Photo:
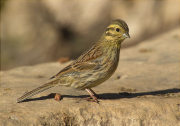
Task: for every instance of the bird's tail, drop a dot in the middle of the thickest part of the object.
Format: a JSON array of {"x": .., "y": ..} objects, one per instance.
[{"x": 37, "y": 90}]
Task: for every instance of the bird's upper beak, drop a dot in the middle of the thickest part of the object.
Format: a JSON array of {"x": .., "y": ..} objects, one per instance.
[{"x": 126, "y": 35}]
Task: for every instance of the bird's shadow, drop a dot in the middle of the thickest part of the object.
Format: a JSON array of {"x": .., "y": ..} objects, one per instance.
[{"x": 110, "y": 95}]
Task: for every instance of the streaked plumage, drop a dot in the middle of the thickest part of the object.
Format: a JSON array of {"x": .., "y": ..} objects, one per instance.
[{"x": 94, "y": 66}]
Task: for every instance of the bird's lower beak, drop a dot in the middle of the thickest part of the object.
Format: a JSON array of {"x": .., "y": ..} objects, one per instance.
[{"x": 126, "y": 35}]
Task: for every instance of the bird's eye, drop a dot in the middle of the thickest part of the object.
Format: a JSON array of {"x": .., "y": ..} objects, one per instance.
[{"x": 117, "y": 29}]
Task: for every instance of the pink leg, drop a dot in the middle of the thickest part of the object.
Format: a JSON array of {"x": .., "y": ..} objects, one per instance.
[{"x": 92, "y": 94}]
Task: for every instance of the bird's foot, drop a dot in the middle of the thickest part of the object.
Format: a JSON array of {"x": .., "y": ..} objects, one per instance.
[
  {"x": 92, "y": 99},
  {"x": 93, "y": 95}
]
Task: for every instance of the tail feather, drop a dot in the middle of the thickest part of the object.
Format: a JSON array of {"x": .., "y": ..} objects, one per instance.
[{"x": 37, "y": 90}]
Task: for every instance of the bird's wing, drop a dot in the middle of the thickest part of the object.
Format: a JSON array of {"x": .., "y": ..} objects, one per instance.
[{"x": 85, "y": 62}]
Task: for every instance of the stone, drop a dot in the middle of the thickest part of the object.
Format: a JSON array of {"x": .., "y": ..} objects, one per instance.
[{"x": 143, "y": 91}]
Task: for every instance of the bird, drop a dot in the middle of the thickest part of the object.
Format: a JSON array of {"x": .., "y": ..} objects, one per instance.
[{"x": 93, "y": 67}]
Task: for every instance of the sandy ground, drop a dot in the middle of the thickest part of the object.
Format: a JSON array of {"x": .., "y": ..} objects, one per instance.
[{"x": 143, "y": 91}]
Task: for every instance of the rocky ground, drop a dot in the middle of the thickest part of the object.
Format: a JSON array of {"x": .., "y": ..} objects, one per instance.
[{"x": 144, "y": 91}]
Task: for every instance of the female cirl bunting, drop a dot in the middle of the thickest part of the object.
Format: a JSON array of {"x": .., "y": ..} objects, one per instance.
[{"x": 94, "y": 66}]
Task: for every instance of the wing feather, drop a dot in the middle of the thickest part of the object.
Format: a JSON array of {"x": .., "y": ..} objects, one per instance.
[{"x": 85, "y": 62}]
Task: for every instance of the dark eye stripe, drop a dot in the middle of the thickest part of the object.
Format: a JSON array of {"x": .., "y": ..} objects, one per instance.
[{"x": 109, "y": 29}]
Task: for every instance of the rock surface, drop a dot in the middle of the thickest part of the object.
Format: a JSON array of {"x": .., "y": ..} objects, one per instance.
[{"x": 143, "y": 91}]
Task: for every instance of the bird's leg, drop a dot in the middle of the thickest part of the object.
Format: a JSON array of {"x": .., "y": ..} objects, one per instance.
[{"x": 92, "y": 94}]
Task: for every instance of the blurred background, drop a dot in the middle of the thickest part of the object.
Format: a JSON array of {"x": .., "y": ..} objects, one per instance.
[{"x": 34, "y": 32}]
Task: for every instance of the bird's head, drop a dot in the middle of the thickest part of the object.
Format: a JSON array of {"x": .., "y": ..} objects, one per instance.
[{"x": 117, "y": 31}]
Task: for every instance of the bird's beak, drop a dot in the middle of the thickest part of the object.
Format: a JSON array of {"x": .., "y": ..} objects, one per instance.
[{"x": 126, "y": 35}]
